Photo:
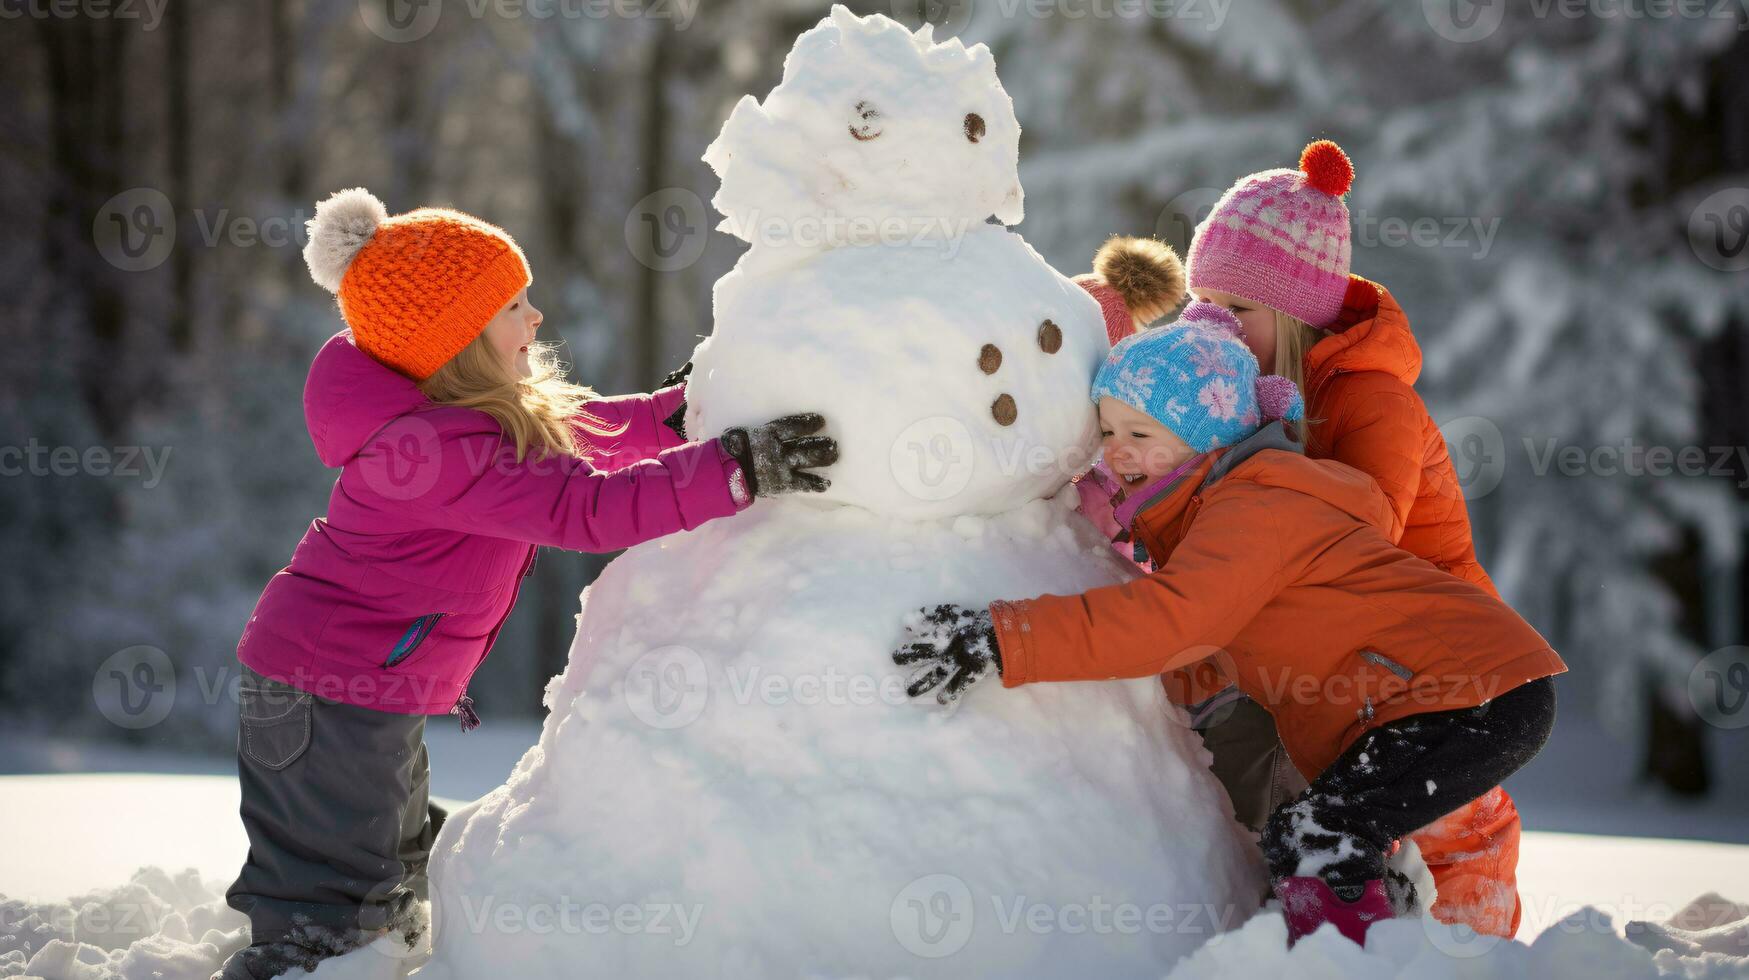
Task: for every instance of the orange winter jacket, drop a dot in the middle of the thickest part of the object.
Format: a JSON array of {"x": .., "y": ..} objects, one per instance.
[
  {"x": 1358, "y": 387},
  {"x": 1279, "y": 569},
  {"x": 1358, "y": 383}
]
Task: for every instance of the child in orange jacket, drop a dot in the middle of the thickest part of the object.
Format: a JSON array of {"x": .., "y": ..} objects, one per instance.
[
  {"x": 1275, "y": 251},
  {"x": 1403, "y": 692}
]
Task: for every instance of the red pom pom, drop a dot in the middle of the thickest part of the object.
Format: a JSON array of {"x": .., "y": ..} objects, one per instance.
[{"x": 1327, "y": 168}]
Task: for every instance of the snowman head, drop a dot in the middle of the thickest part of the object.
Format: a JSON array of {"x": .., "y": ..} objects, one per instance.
[{"x": 875, "y": 132}]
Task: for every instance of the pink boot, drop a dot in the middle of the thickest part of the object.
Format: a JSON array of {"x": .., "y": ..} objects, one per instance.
[{"x": 1307, "y": 903}]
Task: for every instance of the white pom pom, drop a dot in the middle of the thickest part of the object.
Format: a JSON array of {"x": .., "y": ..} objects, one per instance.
[{"x": 343, "y": 223}]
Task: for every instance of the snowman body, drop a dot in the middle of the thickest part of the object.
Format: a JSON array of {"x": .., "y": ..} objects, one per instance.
[
  {"x": 954, "y": 375},
  {"x": 731, "y": 780}
]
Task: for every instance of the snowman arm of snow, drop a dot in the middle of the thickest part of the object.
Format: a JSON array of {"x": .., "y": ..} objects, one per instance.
[
  {"x": 621, "y": 430},
  {"x": 1378, "y": 432},
  {"x": 952, "y": 647},
  {"x": 566, "y": 503},
  {"x": 1229, "y": 565}
]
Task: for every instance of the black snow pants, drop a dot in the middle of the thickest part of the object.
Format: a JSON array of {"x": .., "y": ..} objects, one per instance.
[{"x": 1400, "y": 777}]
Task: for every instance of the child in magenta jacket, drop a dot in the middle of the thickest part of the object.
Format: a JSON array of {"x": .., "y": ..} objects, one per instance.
[{"x": 461, "y": 448}]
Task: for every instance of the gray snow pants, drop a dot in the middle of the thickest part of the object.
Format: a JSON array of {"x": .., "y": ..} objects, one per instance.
[
  {"x": 1249, "y": 759},
  {"x": 338, "y": 813}
]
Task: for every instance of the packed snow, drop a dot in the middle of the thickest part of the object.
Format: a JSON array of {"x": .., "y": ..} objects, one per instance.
[
  {"x": 747, "y": 759},
  {"x": 951, "y": 362},
  {"x": 954, "y": 379},
  {"x": 154, "y": 924},
  {"x": 873, "y": 132}
]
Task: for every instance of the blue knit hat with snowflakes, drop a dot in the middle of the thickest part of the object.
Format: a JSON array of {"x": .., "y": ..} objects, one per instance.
[{"x": 1197, "y": 378}]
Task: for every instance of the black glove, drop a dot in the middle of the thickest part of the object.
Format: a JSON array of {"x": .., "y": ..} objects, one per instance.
[
  {"x": 677, "y": 421},
  {"x": 950, "y": 644},
  {"x": 675, "y": 376},
  {"x": 774, "y": 455}
]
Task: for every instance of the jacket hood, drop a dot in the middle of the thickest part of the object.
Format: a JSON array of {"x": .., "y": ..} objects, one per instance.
[
  {"x": 349, "y": 397},
  {"x": 1371, "y": 334},
  {"x": 1271, "y": 436},
  {"x": 1343, "y": 487}
]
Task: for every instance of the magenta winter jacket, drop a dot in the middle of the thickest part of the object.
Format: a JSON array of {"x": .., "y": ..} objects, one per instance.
[{"x": 392, "y": 600}]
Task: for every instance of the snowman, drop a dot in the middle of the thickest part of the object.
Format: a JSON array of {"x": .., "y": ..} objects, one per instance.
[{"x": 731, "y": 780}]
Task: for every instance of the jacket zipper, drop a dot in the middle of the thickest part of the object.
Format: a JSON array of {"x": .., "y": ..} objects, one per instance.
[
  {"x": 464, "y": 705},
  {"x": 1318, "y": 393},
  {"x": 411, "y": 639}
]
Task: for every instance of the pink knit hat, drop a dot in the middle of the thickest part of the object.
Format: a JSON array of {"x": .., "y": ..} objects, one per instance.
[{"x": 1281, "y": 238}]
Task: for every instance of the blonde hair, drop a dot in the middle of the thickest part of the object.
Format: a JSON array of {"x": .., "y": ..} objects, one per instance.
[
  {"x": 1294, "y": 338},
  {"x": 537, "y": 413}
]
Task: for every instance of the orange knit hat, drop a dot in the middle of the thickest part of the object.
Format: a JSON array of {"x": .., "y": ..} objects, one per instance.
[{"x": 415, "y": 288}]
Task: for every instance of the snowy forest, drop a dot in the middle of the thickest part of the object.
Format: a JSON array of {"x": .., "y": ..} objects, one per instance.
[{"x": 1557, "y": 193}]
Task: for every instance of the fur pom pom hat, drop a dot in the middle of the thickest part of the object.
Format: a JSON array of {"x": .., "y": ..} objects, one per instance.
[
  {"x": 415, "y": 288},
  {"x": 1197, "y": 378},
  {"x": 1281, "y": 238},
  {"x": 1136, "y": 281}
]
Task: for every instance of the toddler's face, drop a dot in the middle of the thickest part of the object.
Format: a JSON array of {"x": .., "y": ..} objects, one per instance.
[
  {"x": 512, "y": 330},
  {"x": 1138, "y": 449},
  {"x": 1257, "y": 320}
]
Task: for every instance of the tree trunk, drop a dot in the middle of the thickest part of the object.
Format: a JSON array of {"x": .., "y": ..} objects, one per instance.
[
  {"x": 646, "y": 333},
  {"x": 180, "y": 187},
  {"x": 84, "y": 59}
]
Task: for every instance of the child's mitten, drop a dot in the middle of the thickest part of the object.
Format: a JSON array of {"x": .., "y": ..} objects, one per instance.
[
  {"x": 953, "y": 647},
  {"x": 676, "y": 420},
  {"x": 774, "y": 456},
  {"x": 675, "y": 376}
]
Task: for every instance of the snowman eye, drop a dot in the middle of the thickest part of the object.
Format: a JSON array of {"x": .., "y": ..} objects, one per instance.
[
  {"x": 974, "y": 127},
  {"x": 862, "y": 125},
  {"x": 989, "y": 358}
]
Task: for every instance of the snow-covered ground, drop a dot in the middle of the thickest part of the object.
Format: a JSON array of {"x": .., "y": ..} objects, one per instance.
[
  {"x": 91, "y": 832},
  {"x": 83, "y": 826}
]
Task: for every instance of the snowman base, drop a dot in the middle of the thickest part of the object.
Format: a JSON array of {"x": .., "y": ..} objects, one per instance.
[{"x": 731, "y": 780}]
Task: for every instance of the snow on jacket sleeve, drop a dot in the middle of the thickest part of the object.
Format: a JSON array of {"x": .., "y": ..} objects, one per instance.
[
  {"x": 1377, "y": 430},
  {"x": 470, "y": 482},
  {"x": 1226, "y": 569},
  {"x": 623, "y": 429}
]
